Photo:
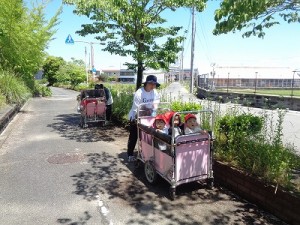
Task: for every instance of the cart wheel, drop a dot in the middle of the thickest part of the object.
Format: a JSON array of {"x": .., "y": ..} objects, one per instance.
[
  {"x": 137, "y": 168},
  {"x": 210, "y": 183},
  {"x": 137, "y": 164},
  {"x": 81, "y": 124},
  {"x": 172, "y": 193},
  {"x": 150, "y": 172}
]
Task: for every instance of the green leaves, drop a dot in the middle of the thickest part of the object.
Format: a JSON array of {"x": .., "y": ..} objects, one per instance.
[
  {"x": 51, "y": 67},
  {"x": 179, "y": 106},
  {"x": 72, "y": 72},
  {"x": 255, "y": 16},
  {"x": 24, "y": 37},
  {"x": 135, "y": 28},
  {"x": 239, "y": 126},
  {"x": 12, "y": 88}
]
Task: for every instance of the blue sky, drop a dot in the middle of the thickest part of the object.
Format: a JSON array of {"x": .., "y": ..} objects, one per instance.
[{"x": 279, "y": 48}]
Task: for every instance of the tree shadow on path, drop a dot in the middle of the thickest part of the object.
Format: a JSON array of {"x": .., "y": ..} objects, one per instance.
[
  {"x": 67, "y": 125},
  {"x": 113, "y": 177}
]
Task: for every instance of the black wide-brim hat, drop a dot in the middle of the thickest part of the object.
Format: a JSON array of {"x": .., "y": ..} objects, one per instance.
[{"x": 152, "y": 79}]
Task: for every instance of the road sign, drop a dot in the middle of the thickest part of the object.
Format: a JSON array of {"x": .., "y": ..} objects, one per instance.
[{"x": 69, "y": 40}]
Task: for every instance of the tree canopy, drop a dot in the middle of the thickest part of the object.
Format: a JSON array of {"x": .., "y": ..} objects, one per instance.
[
  {"x": 51, "y": 67},
  {"x": 255, "y": 16},
  {"x": 135, "y": 28},
  {"x": 24, "y": 35},
  {"x": 72, "y": 72}
]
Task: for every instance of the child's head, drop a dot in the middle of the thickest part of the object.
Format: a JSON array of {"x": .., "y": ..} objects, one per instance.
[
  {"x": 177, "y": 119},
  {"x": 190, "y": 120},
  {"x": 159, "y": 122}
]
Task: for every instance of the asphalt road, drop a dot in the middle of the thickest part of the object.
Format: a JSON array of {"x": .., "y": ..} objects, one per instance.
[{"x": 53, "y": 172}]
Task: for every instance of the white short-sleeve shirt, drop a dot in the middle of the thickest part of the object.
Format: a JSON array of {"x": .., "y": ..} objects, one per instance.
[{"x": 142, "y": 96}]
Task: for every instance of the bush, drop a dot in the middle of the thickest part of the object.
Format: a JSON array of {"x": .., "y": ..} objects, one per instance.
[
  {"x": 113, "y": 78},
  {"x": 41, "y": 90},
  {"x": 2, "y": 101},
  {"x": 185, "y": 106},
  {"x": 242, "y": 141},
  {"x": 122, "y": 96},
  {"x": 240, "y": 125},
  {"x": 13, "y": 88},
  {"x": 103, "y": 77},
  {"x": 81, "y": 86}
]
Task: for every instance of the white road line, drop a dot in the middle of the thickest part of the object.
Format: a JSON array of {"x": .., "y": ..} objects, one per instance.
[{"x": 104, "y": 211}]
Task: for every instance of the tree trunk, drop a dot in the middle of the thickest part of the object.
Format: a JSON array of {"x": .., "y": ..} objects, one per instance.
[
  {"x": 139, "y": 75},
  {"x": 140, "y": 62}
]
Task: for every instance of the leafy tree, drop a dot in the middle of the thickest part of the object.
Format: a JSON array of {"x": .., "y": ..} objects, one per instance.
[
  {"x": 72, "y": 72},
  {"x": 103, "y": 77},
  {"x": 254, "y": 15},
  {"x": 78, "y": 62},
  {"x": 51, "y": 67},
  {"x": 24, "y": 35},
  {"x": 133, "y": 28}
]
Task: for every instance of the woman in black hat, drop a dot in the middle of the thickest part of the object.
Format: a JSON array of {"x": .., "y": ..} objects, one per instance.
[{"x": 145, "y": 94}]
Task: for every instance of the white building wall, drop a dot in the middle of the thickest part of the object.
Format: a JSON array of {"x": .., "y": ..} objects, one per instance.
[{"x": 252, "y": 72}]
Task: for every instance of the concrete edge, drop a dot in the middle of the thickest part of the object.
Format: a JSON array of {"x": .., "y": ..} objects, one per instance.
[{"x": 8, "y": 114}]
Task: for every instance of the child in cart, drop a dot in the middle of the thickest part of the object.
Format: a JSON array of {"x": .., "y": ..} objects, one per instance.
[
  {"x": 160, "y": 127},
  {"x": 191, "y": 126},
  {"x": 178, "y": 125}
]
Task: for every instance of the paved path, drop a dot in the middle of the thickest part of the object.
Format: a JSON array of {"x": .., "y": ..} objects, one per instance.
[{"x": 54, "y": 172}]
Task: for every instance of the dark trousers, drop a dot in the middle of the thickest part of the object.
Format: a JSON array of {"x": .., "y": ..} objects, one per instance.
[
  {"x": 132, "y": 137},
  {"x": 108, "y": 112}
]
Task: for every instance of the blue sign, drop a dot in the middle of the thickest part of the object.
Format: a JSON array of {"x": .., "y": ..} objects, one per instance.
[
  {"x": 69, "y": 40},
  {"x": 94, "y": 70}
]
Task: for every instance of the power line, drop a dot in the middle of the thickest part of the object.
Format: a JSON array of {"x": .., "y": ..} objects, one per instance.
[
  {"x": 187, "y": 32},
  {"x": 206, "y": 42}
]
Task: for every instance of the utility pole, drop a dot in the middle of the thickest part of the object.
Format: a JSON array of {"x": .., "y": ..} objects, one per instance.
[
  {"x": 213, "y": 73},
  {"x": 293, "y": 81},
  {"x": 227, "y": 82},
  {"x": 92, "y": 61},
  {"x": 92, "y": 55},
  {"x": 86, "y": 67},
  {"x": 255, "y": 82},
  {"x": 180, "y": 78},
  {"x": 192, "y": 50},
  {"x": 69, "y": 40}
]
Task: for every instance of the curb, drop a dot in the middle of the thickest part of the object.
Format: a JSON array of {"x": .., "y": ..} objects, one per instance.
[
  {"x": 282, "y": 204},
  {"x": 7, "y": 114}
]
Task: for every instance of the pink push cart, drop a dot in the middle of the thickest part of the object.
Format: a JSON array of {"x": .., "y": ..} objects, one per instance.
[
  {"x": 92, "y": 107},
  {"x": 187, "y": 157}
]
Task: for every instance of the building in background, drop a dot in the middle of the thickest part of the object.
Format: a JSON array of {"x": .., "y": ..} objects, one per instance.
[
  {"x": 111, "y": 72},
  {"x": 127, "y": 76},
  {"x": 177, "y": 74},
  {"x": 130, "y": 76}
]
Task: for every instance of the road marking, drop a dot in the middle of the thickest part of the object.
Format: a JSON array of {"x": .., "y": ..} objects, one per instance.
[{"x": 104, "y": 211}]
